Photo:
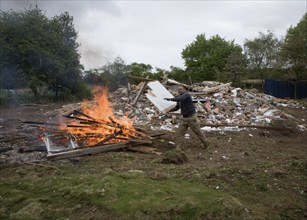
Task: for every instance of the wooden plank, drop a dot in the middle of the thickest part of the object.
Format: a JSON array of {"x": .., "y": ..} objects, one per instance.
[
  {"x": 143, "y": 141},
  {"x": 143, "y": 149},
  {"x": 139, "y": 93},
  {"x": 174, "y": 82},
  {"x": 216, "y": 88},
  {"x": 86, "y": 151},
  {"x": 140, "y": 78},
  {"x": 41, "y": 123},
  {"x": 157, "y": 135},
  {"x": 128, "y": 91}
]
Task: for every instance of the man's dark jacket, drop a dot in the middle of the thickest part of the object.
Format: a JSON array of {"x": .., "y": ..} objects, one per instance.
[{"x": 185, "y": 103}]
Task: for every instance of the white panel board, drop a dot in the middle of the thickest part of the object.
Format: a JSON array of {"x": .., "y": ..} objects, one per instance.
[{"x": 156, "y": 95}]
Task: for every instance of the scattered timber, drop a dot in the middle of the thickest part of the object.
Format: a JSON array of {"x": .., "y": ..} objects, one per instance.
[
  {"x": 144, "y": 83},
  {"x": 143, "y": 149},
  {"x": 140, "y": 78},
  {"x": 217, "y": 88},
  {"x": 86, "y": 151},
  {"x": 143, "y": 141}
]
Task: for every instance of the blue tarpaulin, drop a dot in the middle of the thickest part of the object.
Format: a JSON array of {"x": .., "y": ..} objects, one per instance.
[{"x": 285, "y": 89}]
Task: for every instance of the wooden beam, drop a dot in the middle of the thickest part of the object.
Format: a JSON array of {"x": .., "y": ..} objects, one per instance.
[
  {"x": 41, "y": 123},
  {"x": 86, "y": 151},
  {"x": 143, "y": 141},
  {"x": 128, "y": 91},
  {"x": 216, "y": 88},
  {"x": 144, "y": 83},
  {"x": 143, "y": 149},
  {"x": 174, "y": 82},
  {"x": 141, "y": 78}
]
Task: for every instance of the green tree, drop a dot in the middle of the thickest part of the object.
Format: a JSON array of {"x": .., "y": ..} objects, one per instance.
[
  {"x": 179, "y": 74},
  {"x": 68, "y": 68},
  {"x": 115, "y": 74},
  {"x": 11, "y": 74},
  {"x": 294, "y": 51},
  {"x": 140, "y": 69},
  {"x": 205, "y": 59},
  {"x": 158, "y": 74},
  {"x": 111, "y": 75},
  {"x": 92, "y": 77},
  {"x": 235, "y": 68},
  {"x": 41, "y": 51},
  {"x": 22, "y": 50},
  {"x": 261, "y": 54}
]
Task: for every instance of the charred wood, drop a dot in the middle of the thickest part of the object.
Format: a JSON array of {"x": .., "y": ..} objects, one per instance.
[{"x": 110, "y": 137}]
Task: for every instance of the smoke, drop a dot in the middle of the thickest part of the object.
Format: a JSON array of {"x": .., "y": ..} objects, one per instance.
[{"x": 94, "y": 56}]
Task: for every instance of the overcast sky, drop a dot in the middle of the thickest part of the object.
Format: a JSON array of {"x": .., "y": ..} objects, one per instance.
[{"x": 156, "y": 32}]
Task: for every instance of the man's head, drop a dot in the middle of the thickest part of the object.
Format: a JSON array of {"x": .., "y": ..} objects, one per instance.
[{"x": 181, "y": 90}]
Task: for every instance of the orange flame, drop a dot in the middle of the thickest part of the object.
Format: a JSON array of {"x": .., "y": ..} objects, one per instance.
[{"x": 101, "y": 125}]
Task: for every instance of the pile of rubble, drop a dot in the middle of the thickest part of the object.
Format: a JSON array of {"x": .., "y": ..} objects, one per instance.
[
  {"x": 219, "y": 107},
  {"x": 216, "y": 103}
]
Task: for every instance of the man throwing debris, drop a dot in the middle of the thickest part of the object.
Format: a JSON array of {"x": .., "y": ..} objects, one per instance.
[{"x": 188, "y": 112}]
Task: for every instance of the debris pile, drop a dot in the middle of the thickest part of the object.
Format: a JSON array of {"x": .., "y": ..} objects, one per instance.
[
  {"x": 216, "y": 103},
  {"x": 132, "y": 119}
]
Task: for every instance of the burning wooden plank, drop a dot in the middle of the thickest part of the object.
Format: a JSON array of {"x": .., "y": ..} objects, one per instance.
[
  {"x": 110, "y": 137},
  {"x": 142, "y": 141}
]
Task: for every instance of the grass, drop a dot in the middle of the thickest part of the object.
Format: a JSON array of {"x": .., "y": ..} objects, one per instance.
[
  {"x": 129, "y": 195},
  {"x": 42, "y": 194},
  {"x": 119, "y": 186}
]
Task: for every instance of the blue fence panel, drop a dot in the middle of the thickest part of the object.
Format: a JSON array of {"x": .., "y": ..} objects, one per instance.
[
  {"x": 285, "y": 89},
  {"x": 302, "y": 90},
  {"x": 279, "y": 89}
]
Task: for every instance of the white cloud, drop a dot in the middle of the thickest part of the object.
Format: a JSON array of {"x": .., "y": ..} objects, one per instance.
[{"x": 155, "y": 32}]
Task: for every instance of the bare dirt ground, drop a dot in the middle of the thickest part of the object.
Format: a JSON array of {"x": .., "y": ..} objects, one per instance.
[{"x": 266, "y": 169}]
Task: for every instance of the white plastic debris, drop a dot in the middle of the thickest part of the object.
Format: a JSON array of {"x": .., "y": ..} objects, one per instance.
[
  {"x": 270, "y": 112},
  {"x": 301, "y": 127}
]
